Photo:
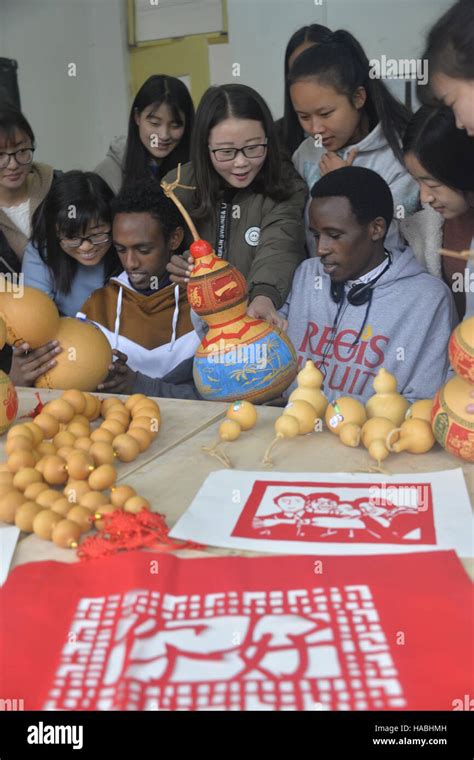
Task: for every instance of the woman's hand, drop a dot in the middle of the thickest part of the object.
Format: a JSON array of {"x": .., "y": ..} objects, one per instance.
[
  {"x": 180, "y": 268},
  {"x": 121, "y": 378},
  {"x": 28, "y": 364},
  {"x": 331, "y": 161},
  {"x": 262, "y": 308}
]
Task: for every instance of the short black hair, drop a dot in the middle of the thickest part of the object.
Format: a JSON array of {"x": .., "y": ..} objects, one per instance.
[
  {"x": 445, "y": 151},
  {"x": 147, "y": 197},
  {"x": 366, "y": 191}
]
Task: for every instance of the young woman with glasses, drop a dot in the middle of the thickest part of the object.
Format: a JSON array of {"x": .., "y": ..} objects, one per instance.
[
  {"x": 71, "y": 252},
  {"x": 70, "y": 255},
  {"x": 23, "y": 185},
  {"x": 244, "y": 198}
]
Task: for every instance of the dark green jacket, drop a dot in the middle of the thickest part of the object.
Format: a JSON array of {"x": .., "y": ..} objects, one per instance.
[{"x": 270, "y": 264}]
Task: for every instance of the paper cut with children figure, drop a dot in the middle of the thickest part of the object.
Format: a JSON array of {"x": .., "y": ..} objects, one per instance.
[{"x": 332, "y": 515}]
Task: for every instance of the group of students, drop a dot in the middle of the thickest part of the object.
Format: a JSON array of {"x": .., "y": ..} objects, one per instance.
[{"x": 335, "y": 215}]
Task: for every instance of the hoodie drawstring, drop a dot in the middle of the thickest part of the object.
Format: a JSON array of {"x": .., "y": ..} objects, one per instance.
[
  {"x": 117, "y": 317},
  {"x": 175, "y": 317}
]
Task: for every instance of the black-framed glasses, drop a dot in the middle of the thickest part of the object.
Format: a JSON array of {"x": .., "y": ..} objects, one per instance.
[
  {"x": 23, "y": 156},
  {"x": 229, "y": 154},
  {"x": 99, "y": 239}
]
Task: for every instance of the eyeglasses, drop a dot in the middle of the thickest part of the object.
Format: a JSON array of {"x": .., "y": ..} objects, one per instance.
[
  {"x": 23, "y": 156},
  {"x": 99, "y": 239},
  {"x": 228, "y": 154}
]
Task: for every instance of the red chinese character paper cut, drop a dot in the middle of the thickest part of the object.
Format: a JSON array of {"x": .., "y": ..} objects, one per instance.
[
  {"x": 327, "y": 511},
  {"x": 367, "y": 633}
]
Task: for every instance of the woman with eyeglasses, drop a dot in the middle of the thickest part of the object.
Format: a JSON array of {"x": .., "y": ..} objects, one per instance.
[
  {"x": 71, "y": 252},
  {"x": 23, "y": 185},
  {"x": 70, "y": 255},
  {"x": 245, "y": 198}
]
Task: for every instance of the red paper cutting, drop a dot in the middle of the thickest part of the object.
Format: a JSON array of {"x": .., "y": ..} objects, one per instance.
[
  {"x": 338, "y": 512},
  {"x": 151, "y": 631}
]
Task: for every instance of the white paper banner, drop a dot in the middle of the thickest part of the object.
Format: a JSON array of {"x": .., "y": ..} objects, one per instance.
[
  {"x": 328, "y": 513},
  {"x": 8, "y": 539}
]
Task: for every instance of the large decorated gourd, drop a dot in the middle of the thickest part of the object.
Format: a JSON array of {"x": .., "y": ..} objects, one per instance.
[
  {"x": 309, "y": 381},
  {"x": 453, "y": 425},
  {"x": 240, "y": 357},
  {"x": 8, "y": 396},
  {"x": 452, "y": 418},
  {"x": 84, "y": 359},
  {"x": 30, "y": 316},
  {"x": 386, "y": 402},
  {"x": 461, "y": 349}
]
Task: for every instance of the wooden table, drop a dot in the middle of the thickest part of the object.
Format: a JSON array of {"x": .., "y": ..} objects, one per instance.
[{"x": 171, "y": 479}]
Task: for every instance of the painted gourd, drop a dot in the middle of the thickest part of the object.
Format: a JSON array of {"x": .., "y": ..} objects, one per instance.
[
  {"x": 309, "y": 381},
  {"x": 453, "y": 426},
  {"x": 84, "y": 360},
  {"x": 240, "y": 357},
  {"x": 461, "y": 350},
  {"x": 30, "y": 317},
  {"x": 8, "y": 402}
]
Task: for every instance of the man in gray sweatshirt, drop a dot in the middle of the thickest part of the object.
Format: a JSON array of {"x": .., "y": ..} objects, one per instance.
[{"x": 356, "y": 307}]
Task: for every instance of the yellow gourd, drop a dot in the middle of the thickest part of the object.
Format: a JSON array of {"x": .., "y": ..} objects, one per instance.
[
  {"x": 377, "y": 428},
  {"x": 304, "y": 412},
  {"x": 350, "y": 434},
  {"x": 421, "y": 410},
  {"x": 229, "y": 430},
  {"x": 378, "y": 450},
  {"x": 386, "y": 402},
  {"x": 286, "y": 426},
  {"x": 244, "y": 413},
  {"x": 309, "y": 381},
  {"x": 416, "y": 437},
  {"x": 343, "y": 411}
]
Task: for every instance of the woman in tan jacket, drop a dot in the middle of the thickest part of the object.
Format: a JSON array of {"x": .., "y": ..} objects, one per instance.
[{"x": 23, "y": 185}]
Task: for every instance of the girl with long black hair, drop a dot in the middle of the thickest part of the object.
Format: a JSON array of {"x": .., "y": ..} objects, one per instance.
[
  {"x": 248, "y": 201},
  {"x": 71, "y": 253},
  {"x": 159, "y": 134},
  {"x": 352, "y": 119},
  {"x": 289, "y": 129},
  {"x": 449, "y": 53},
  {"x": 440, "y": 158}
]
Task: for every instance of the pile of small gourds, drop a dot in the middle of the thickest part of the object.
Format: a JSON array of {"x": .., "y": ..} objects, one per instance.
[{"x": 58, "y": 450}]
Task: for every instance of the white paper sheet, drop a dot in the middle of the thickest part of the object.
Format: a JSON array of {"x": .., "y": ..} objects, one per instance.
[
  {"x": 328, "y": 513},
  {"x": 8, "y": 538}
]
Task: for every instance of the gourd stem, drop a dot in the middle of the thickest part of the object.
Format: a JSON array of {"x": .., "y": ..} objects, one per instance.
[
  {"x": 213, "y": 451},
  {"x": 266, "y": 457},
  {"x": 388, "y": 440},
  {"x": 168, "y": 189}
]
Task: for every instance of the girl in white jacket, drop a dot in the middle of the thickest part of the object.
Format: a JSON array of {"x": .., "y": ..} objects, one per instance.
[
  {"x": 352, "y": 118},
  {"x": 440, "y": 158}
]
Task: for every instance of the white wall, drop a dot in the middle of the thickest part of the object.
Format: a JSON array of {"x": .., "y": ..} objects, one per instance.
[
  {"x": 73, "y": 118},
  {"x": 260, "y": 29}
]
